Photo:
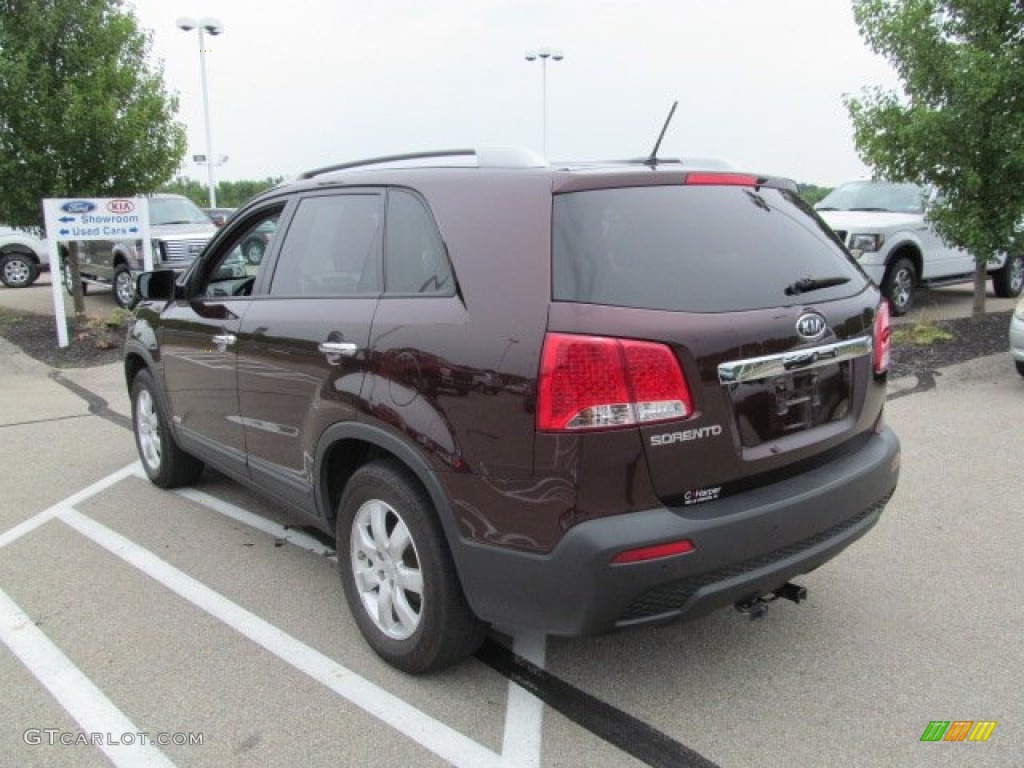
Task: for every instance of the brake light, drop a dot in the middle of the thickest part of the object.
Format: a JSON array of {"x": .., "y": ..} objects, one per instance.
[
  {"x": 883, "y": 338},
  {"x": 595, "y": 382},
  {"x": 721, "y": 179},
  {"x": 653, "y": 553}
]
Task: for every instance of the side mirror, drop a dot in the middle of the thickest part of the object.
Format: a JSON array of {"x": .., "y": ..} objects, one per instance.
[{"x": 157, "y": 286}]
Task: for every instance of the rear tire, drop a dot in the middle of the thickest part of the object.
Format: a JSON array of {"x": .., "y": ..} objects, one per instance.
[
  {"x": 66, "y": 279},
  {"x": 1020, "y": 367},
  {"x": 898, "y": 286},
  {"x": 166, "y": 465},
  {"x": 124, "y": 287},
  {"x": 1008, "y": 280},
  {"x": 398, "y": 575}
]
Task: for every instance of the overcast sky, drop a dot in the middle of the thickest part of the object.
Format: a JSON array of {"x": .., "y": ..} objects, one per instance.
[{"x": 297, "y": 85}]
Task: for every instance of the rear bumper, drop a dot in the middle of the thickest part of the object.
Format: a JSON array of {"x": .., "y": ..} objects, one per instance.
[{"x": 745, "y": 545}]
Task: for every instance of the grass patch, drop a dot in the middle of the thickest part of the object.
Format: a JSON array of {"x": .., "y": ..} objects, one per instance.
[
  {"x": 924, "y": 333},
  {"x": 8, "y": 319}
]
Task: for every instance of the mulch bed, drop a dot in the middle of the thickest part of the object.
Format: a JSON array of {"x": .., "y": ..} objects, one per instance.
[{"x": 94, "y": 343}]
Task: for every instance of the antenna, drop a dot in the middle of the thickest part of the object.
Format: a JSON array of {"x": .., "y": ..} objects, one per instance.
[{"x": 653, "y": 159}]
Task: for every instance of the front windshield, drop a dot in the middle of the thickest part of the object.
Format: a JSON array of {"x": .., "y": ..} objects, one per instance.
[
  {"x": 874, "y": 196},
  {"x": 174, "y": 210}
]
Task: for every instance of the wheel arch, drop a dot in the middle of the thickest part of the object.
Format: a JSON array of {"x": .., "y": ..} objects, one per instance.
[
  {"x": 17, "y": 249},
  {"x": 134, "y": 362},
  {"x": 909, "y": 251},
  {"x": 344, "y": 448}
]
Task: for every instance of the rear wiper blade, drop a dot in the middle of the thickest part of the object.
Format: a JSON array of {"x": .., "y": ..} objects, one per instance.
[{"x": 814, "y": 283}]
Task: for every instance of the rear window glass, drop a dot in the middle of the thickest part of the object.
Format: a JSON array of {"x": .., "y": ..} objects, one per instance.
[{"x": 694, "y": 249}]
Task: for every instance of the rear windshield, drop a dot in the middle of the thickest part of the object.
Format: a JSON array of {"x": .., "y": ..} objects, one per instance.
[{"x": 695, "y": 249}]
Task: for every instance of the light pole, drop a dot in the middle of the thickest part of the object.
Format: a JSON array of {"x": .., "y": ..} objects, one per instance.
[
  {"x": 544, "y": 54},
  {"x": 213, "y": 27}
]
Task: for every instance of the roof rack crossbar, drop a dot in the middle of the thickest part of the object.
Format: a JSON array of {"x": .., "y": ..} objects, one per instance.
[{"x": 388, "y": 159}]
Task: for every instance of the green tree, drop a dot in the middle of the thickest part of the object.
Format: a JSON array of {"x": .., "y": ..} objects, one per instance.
[
  {"x": 83, "y": 113},
  {"x": 959, "y": 121},
  {"x": 812, "y": 193},
  {"x": 230, "y": 194}
]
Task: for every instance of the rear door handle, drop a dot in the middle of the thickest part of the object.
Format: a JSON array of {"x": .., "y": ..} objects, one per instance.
[{"x": 343, "y": 348}]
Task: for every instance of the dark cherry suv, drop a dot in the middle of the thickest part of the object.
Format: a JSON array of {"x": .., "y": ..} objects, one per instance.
[{"x": 570, "y": 398}]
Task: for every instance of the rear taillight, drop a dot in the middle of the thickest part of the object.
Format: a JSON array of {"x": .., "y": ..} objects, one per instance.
[
  {"x": 595, "y": 382},
  {"x": 657, "y": 552},
  {"x": 883, "y": 338},
  {"x": 721, "y": 179}
]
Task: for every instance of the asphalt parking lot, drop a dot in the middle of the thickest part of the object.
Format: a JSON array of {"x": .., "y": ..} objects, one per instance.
[{"x": 196, "y": 628}]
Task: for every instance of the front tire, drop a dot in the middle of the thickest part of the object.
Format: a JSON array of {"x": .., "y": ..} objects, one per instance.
[
  {"x": 1008, "y": 280},
  {"x": 124, "y": 288},
  {"x": 166, "y": 465},
  {"x": 398, "y": 575},
  {"x": 18, "y": 270},
  {"x": 898, "y": 286}
]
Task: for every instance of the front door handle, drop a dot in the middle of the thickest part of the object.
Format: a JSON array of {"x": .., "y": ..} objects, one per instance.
[
  {"x": 224, "y": 340},
  {"x": 343, "y": 348}
]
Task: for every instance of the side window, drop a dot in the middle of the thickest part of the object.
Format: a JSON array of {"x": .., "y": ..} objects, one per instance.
[
  {"x": 332, "y": 248},
  {"x": 235, "y": 272},
  {"x": 415, "y": 260}
]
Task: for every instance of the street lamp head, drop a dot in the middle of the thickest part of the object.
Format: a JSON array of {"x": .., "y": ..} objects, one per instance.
[
  {"x": 544, "y": 53},
  {"x": 186, "y": 24},
  {"x": 211, "y": 26}
]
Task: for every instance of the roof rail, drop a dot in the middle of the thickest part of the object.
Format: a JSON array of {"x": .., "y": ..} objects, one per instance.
[{"x": 486, "y": 157}]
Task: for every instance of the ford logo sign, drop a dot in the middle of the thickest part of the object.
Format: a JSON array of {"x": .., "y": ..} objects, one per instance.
[
  {"x": 78, "y": 206},
  {"x": 811, "y": 326}
]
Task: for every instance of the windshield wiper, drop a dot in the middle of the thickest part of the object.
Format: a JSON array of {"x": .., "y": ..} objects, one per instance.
[
  {"x": 880, "y": 210},
  {"x": 814, "y": 283},
  {"x": 168, "y": 223}
]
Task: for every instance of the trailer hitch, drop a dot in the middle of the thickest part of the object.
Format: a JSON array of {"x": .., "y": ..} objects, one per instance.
[{"x": 757, "y": 606}]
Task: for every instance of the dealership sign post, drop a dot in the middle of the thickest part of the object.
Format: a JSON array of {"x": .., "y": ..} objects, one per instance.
[{"x": 70, "y": 220}]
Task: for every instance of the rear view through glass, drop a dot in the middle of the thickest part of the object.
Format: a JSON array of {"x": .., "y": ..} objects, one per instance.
[{"x": 695, "y": 249}]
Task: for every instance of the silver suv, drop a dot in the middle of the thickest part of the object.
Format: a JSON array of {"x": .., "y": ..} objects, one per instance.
[
  {"x": 885, "y": 227},
  {"x": 180, "y": 231}
]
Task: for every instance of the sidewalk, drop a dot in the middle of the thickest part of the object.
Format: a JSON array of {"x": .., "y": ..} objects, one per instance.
[{"x": 34, "y": 392}]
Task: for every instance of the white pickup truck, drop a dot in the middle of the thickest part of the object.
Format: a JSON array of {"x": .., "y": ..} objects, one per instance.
[
  {"x": 883, "y": 225},
  {"x": 22, "y": 256}
]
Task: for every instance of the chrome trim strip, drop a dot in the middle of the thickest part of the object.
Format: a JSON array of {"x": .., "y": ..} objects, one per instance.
[{"x": 755, "y": 368}]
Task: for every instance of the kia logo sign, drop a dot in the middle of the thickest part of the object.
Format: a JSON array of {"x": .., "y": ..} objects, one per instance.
[
  {"x": 811, "y": 326},
  {"x": 120, "y": 206},
  {"x": 78, "y": 206}
]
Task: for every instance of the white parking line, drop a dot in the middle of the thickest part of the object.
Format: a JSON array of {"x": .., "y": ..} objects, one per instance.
[
  {"x": 524, "y": 712},
  {"x": 91, "y": 709},
  {"x": 441, "y": 739},
  {"x": 15, "y": 533}
]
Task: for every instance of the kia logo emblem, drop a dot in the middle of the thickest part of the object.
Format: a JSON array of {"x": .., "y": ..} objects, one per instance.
[
  {"x": 120, "y": 206},
  {"x": 811, "y": 326}
]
